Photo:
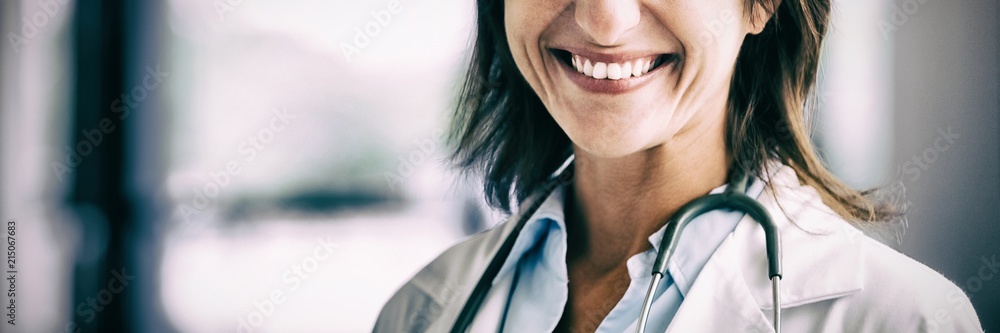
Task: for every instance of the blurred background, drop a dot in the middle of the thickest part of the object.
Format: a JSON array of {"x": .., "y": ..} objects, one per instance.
[{"x": 279, "y": 166}]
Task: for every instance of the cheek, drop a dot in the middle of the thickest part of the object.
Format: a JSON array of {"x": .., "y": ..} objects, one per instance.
[
  {"x": 524, "y": 23},
  {"x": 527, "y": 23},
  {"x": 720, "y": 28},
  {"x": 711, "y": 36},
  {"x": 701, "y": 27}
]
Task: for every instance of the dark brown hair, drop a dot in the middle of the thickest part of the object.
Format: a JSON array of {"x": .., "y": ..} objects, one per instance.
[{"x": 502, "y": 131}]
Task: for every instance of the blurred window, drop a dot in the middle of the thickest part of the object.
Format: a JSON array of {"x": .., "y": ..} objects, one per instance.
[
  {"x": 306, "y": 158},
  {"x": 34, "y": 130}
]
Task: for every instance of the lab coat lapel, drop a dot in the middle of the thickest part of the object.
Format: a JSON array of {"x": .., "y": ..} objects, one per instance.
[
  {"x": 488, "y": 319},
  {"x": 488, "y": 315},
  {"x": 822, "y": 256},
  {"x": 719, "y": 300},
  {"x": 733, "y": 291},
  {"x": 464, "y": 276}
]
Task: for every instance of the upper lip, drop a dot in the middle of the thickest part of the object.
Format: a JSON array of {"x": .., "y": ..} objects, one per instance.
[{"x": 616, "y": 57}]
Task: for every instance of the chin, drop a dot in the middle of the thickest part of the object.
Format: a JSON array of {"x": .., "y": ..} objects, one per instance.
[
  {"x": 613, "y": 132},
  {"x": 611, "y": 142}
]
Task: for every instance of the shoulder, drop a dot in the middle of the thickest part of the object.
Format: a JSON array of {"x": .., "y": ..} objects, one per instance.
[
  {"x": 909, "y": 295},
  {"x": 423, "y": 299},
  {"x": 437, "y": 291},
  {"x": 855, "y": 280}
]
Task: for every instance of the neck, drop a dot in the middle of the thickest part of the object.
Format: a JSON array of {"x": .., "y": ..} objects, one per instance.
[{"x": 617, "y": 203}]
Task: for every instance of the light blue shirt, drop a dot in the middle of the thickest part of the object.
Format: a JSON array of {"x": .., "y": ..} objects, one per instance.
[{"x": 537, "y": 263}]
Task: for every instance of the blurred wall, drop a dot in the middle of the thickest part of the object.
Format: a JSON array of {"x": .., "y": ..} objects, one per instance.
[{"x": 946, "y": 110}]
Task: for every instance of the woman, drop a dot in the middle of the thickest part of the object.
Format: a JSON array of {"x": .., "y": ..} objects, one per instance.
[{"x": 651, "y": 104}]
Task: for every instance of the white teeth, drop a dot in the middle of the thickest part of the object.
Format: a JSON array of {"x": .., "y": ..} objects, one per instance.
[
  {"x": 637, "y": 69},
  {"x": 601, "y": 71},
  {"x": 612, "y": 71}
]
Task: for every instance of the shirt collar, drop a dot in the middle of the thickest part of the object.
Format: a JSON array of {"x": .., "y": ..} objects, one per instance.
[
  {"x": 701, "y": 238},
  {"x": 548, "y": 216}
]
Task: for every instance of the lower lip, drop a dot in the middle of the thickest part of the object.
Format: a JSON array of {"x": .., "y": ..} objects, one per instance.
[{"x": 604, "y": 86}]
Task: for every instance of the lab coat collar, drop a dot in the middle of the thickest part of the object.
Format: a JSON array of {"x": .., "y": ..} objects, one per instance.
[
  {"x": 822, "y": 253},
  {"x": 453, "y": 287},
  {"x": 714, "y": 227},
  {"x": 822, "y": 259}
]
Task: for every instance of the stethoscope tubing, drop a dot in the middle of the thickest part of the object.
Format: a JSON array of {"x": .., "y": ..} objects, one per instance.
[
  {"x": 482, "y": 287},
  {"x": 733, "y": 198}
]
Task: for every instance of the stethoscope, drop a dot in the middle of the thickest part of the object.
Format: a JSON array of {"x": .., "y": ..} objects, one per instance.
[{"x": 733, "y": 198}]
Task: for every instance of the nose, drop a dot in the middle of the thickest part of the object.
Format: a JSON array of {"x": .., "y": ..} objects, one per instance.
[{"x": 606, "y": 21}]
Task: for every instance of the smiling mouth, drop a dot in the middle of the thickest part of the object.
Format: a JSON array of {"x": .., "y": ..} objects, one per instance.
[{"x": 613, "y": 70}]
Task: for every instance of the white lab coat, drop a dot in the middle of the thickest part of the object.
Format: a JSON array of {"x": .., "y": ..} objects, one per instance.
[{"x": 836, "y": 279}]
